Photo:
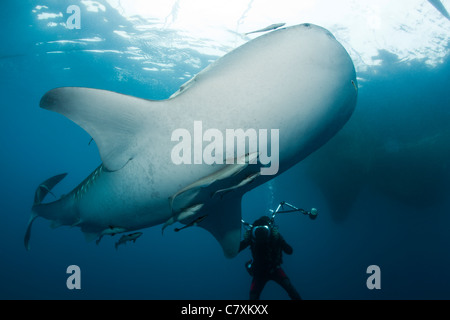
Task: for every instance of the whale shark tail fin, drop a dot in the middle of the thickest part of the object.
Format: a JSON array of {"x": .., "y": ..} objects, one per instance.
[
  {"x": 45, "y": 188},
  {"x": 41, "y": 191},
  {"x": 28, "y": 232}
]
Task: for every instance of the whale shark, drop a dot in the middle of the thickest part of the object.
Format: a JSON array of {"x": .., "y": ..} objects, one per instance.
[{"x": 299, "y": 80}]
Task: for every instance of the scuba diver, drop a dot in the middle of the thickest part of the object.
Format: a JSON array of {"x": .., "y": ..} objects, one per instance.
[{"x": 267, "y": 246}]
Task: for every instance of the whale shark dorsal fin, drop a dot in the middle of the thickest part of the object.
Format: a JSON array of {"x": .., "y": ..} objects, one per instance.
[
  {"x": 112, "y": 119},
  {"x": 224, "y": 223}
]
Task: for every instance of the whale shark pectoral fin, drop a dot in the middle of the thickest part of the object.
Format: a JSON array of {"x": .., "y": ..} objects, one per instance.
[
  {"x": 112, "y": 119},
  {"x": 230, "y": 170},
  {"x": 224, "y": 223}
]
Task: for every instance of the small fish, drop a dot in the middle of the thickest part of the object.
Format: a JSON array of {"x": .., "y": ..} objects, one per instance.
[
  {"x": 111, "y": 230},
  {"x": 247, "y": 180},
  {"x": 268, "y": 28},
  {"x": 186, "y": 213},
  {"x": 191, "y": 224},
  {"x": 128, "y": 237}
]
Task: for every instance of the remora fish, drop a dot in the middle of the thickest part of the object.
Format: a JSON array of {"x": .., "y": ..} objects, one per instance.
[
  {"x": 308, "y": 91},
  {"x": 268, "y": 28},
  {"x": 191, "y": 224},
  {"x": 128, "y": 237},
  {"x": 186, "y": 213},
  {"x": 244, "y": 182}
]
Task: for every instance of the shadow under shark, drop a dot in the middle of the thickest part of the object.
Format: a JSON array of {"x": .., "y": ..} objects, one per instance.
[
  {"x": 299, "y": 80},
  {"x": 396, "y": 144}
]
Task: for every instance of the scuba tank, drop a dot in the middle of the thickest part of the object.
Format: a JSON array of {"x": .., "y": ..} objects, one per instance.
[{"x": 263, "y": 228}]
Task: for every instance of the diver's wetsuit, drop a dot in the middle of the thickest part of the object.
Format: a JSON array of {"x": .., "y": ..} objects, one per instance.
[{"x": 267, "y": 259}]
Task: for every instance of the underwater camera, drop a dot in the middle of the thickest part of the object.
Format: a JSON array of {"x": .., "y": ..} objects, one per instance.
[
  {"x": 290, "y": 208},
  {"x": 285, "y": 207}
]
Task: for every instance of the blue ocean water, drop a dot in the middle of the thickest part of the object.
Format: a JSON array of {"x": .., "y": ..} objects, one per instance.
[{"x": 381, "y": 185}]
